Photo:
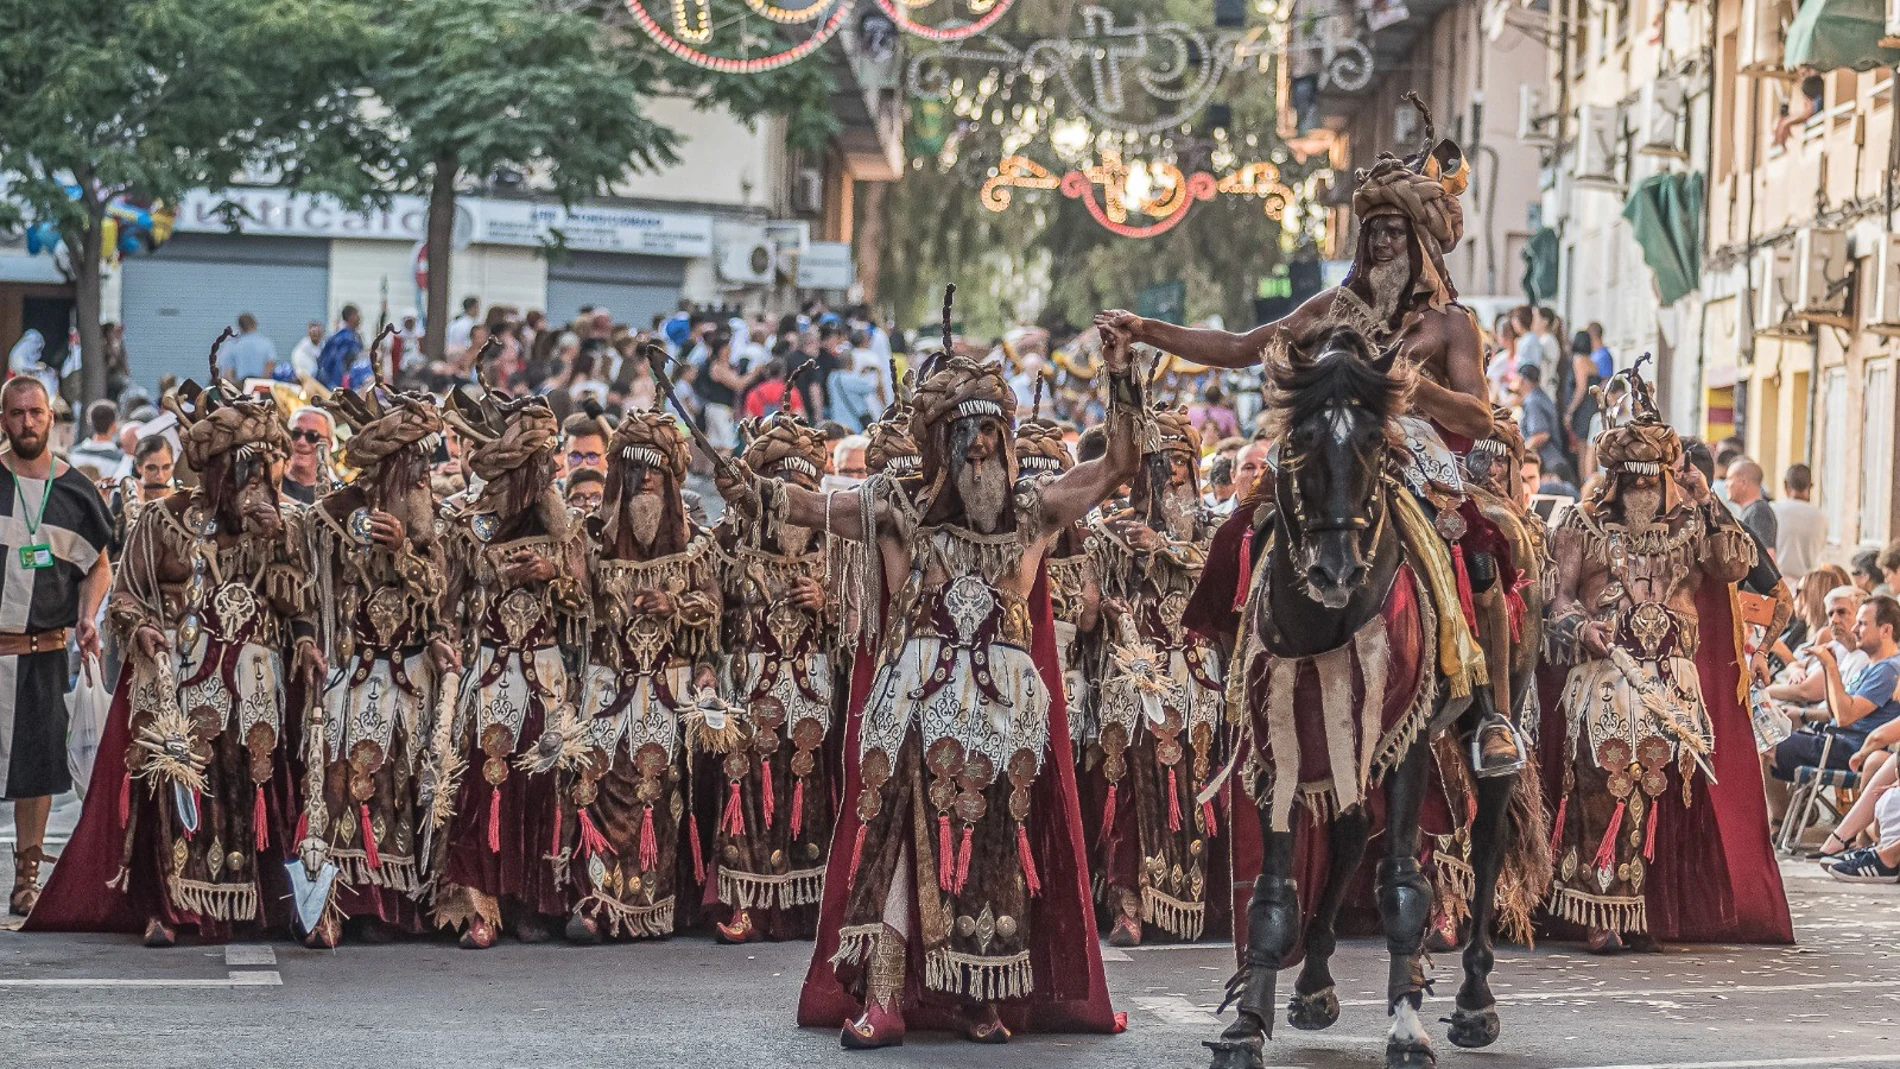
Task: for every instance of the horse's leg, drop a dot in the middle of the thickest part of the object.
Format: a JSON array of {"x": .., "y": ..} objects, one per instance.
[
  {"x": 1314, "y": 1004},
  {"x": 1273, "y": 922},
  {"x": 1405, "y": 904},
  {"x": 1474, "y": 1021}
]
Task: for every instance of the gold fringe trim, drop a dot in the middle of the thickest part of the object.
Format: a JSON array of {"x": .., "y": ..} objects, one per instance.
[
  {"x": 213, "y": 901},
  {"x": 747, "y": 890},
  {"x": 1183, "y": 920},
  {"x": 1455, "y": 882},
  {"x": 1595, "y": 911},
  {"x": 977, "y": 977},
  {"x": 396, "y": 873},
  {"x": 634, "y": 922},
  {"x": 456, "y": 906},
  {"x": 855, "y": 943}
]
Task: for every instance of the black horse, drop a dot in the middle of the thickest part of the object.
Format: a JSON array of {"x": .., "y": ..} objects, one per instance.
[{"x": 1334, "y": 556}]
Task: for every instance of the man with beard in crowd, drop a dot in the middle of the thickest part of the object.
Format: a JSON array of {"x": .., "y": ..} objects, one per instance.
[
  {"x": 212, "y": 603},
  {"x": 774, "y": 823},
  {"x": 656, "y": 628},
  {"x": 54, "y": 567},
  {"x": 380, "y": 576},
  {"x": 517, "y": 580},
  {"x": 958, "y": 889},
  {"x": 1162, "y": 853}
]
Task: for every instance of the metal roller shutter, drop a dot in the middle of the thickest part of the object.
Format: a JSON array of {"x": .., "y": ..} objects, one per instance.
[
  {"x": 175, "y": 301},
  {"x": 634, "y": 288}
]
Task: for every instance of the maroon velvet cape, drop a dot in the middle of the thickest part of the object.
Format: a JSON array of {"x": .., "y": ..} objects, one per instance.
[
  {"x": 77, "y": 899},
  {"x": 1071, "y": 992}
]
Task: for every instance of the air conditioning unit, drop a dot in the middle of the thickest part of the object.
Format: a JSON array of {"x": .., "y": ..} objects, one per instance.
[
  {"x": 808, "y": 190},
  {"x": 1659, "y": 112},
  {"x": 1820, "y": 260},
  {"x": 1599, "y": 135},
  {"x": 747, "y": 257},
  {"x": 1774, "y": 287},
  {"x": 1535, "y": 124},
  {"x": 1760, "y": 47},
  {"x": 1884, "y": 317}
]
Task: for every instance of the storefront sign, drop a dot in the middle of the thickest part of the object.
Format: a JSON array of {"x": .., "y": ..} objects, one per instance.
[
  {"x": 479, "y": 221},
  {"x": 826, "y": 265}
]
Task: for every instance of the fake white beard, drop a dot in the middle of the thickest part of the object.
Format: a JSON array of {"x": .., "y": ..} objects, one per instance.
[
  {"x": 643, "y": 518},
  {"x": 1388, "y": 281},
  {"x": 983, "y": 489},
  {"x": 1180, "y": 506}
]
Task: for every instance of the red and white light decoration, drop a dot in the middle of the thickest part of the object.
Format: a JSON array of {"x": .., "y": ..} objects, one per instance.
[
  {"x": 754, "y": 36},
  {"x": 1113, "y": 190}
]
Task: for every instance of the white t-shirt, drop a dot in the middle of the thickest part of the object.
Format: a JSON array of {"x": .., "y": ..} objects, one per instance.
[
  {"x": 460, "y": 330},
  {"x": 1800, "y": 532},
  {"x": 303, "y": 357},
  {"x": 867, "y": 360}
]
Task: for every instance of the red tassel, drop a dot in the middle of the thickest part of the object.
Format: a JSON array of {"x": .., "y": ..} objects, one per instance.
[
  {"x": 374, "y": 859},
  {"x": 1464, "y": 587},
  {"x": 303, "y": 830},
  {"x": 1174, "y": 804},
  {"x": 554, "y": 850},
  {"x": 1649, "y": 837},
  {"x": 125, "y": 800},
  {"x": 946, "y": 860},
  {"x": 260, "y": 821},
  {"x": 649, "y": 843},
  {"x": 1029, "y": 861},
  {"x": 1557, "y": 826},
  {"x": 798, "y": 807},
  {"x": 963, "y": 859},
  {"x": 1606, "y": 850},
  {"x": 593, "y": 842},
  {"x": 1108, "y": 813},
  {"x": 494, "y": 820},
  {"x": 1207, "y": 815},
  {"x": 767, "y": 802},
  {"x": 857, "y": 853},
  {"x": 699, "y": 862},
  {"x": 1245, "y": 576},
  {"x": 1514, "y": 602},
  {"x": 733, "y": 821}
]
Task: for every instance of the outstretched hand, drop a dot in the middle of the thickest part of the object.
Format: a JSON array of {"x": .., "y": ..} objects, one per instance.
[
  {"x": 736, "y": 483},
  {"x": 1120, "y": 321}
]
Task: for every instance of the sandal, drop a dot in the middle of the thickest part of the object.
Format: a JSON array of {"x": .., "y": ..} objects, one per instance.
[{"x": 1822, "y": 854}]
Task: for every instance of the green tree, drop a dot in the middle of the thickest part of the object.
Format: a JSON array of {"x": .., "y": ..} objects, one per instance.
[{"x": 150, "y": 98}]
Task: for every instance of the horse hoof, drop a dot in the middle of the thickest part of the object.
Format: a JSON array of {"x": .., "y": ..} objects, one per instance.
[
  {"x": 582, "y": 930},
  {"x": 1310, "y": 1013},
  {"x": 1248, "y": 1053},
  {"x": 1404, "y": 1054},
  {"x": 1473, "y": 1028}
]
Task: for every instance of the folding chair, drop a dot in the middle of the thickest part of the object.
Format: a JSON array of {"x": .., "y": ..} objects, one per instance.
[{"x": 1809, "y": 782}]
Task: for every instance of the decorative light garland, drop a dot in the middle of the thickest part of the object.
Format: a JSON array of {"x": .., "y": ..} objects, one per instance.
[
  {"x": 987, "y": 11},
  {"x": 1166, "y": 201},
  {"x": 841, "y": 10},
  {"x": 693, "y": 26}
]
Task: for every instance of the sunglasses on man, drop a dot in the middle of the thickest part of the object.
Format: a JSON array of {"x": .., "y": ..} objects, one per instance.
[{"x": 313, "y": 437}]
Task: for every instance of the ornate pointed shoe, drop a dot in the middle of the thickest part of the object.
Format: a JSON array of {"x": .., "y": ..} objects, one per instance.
[
  {"x": 1604, "y": 941},
  {"x": 982, "y": 1025},
  {"x": 582, "y": 930},
  {"x": 479, "y": 935},
  {"x": 878, "y": 1026},
  {"x": 26, "y": 880},
  {"x": 326, "y": 935},
  {"x": 739, "y": 930},
  {"x": 158, "y": 934}
]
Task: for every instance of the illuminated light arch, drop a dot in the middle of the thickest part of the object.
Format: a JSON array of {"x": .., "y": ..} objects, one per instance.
[
  {"x": 1079, "y": 186},
  {"x": 752, "y": 64},
  {"x": 984, "y": 21}
]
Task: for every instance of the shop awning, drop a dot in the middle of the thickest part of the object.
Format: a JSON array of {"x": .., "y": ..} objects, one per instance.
[
  {"x": 1831, "y": 34},
  {"x": 1665, "y": 210}
]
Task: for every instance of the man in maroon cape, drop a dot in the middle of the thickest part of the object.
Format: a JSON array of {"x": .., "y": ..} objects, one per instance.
[{"x": 956, "y": 890}]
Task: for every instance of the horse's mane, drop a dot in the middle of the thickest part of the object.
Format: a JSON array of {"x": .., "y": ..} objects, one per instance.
[{"x": 1300, "y": 382}]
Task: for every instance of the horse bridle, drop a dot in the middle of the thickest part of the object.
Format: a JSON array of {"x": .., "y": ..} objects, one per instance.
[{"x": 1306, "y": 527}]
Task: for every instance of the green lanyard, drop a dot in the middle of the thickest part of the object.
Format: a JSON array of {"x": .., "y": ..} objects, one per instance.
[{"x": 34, "y": 555}]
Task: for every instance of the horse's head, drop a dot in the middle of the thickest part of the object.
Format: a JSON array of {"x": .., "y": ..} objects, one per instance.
[{"x": 1333, "y": 397}]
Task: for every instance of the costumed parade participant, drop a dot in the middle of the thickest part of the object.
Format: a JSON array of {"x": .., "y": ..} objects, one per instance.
[
  {"x": 1661, "y": 829},
  {"x": 649, "y": 684},
  {"x": 517, "y": 579},
  {"x": 957, "y": 891},
  {"x": 1161, "y": 703},
  {"x": 772, "y": 785},
  {"x": 380, "y": 575},
  {"x": 212, "y": 604}
]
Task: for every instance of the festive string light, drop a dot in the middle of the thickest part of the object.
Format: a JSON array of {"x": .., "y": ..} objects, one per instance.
[
  {"x": 693, "y": 25},
  {"x": 985, "y": 19},
  {"x": 1156, "y": 189},
  {"x": 681, "y": 49}
]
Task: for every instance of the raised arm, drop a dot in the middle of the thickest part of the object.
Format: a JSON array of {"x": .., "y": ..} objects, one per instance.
[
  {"x": 1071, "y": 495},
  {"x": 1213, "y": 348},
  {"x": 840, "y": 512}
]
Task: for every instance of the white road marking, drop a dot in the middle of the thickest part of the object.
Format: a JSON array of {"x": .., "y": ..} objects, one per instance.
[
  {"x": 249, "y": 954},
  {"x": 1173, "y": 1009},
  {"x": 267, "y": 978},
  {"x": 1762, "y": 1063},
  {"x": 1595, "y": 994},
  {"x": 1115, "y": 954}
]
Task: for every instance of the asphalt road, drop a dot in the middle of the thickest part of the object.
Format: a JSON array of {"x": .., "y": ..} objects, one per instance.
[{"x": 103, "y": 1001}]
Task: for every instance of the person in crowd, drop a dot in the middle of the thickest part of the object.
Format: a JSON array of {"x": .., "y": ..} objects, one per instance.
[
  {"x": 304, "y": 355},
  {"x": 460, "y": 335},
  {"x": 585, "y": 489},
  {"x": 583, "y": 444},
  {"x": 1501, "y": 371},
  {"x": 1727, "y": 452},
  {"x": 101, "y": 448},
  {"x": 250, "y": 355},
  {"x": 1810, "y": 608},
  {"x": 721, "y": 386},
  {"x": 1580, "y": 408},
  {"x": 847, "y": 459},
  {"x": 337, "y": 362},
  {"x": 1543, "y": 431},
  {"x": 1853, "y": 710},
  {"x": 1219, "y": 499},
  {"x": 1804, "y": 690},
  {"x": 152, "y": 460},
  {"x": 1213, "y": 418},
  {"x": 1749, "y": 504},
  {"x": 1864, "y": 569},
  {"x": 770, "y": 392},
  {"x": 1800, "y": 527},
  {"x": 855, "y": 395},
  {"x": 57, "y": 530},
  {"x": 1600, "y": 353},
  {"x": 1889, "y": 569},
  {"x": 118, "y": 369},
  {"x": 1558, "y": 481},
  {"x": 307, "y": 472}
]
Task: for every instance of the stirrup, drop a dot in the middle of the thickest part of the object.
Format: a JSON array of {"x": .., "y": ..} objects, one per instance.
[{"x": 1476, "y": 746}]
